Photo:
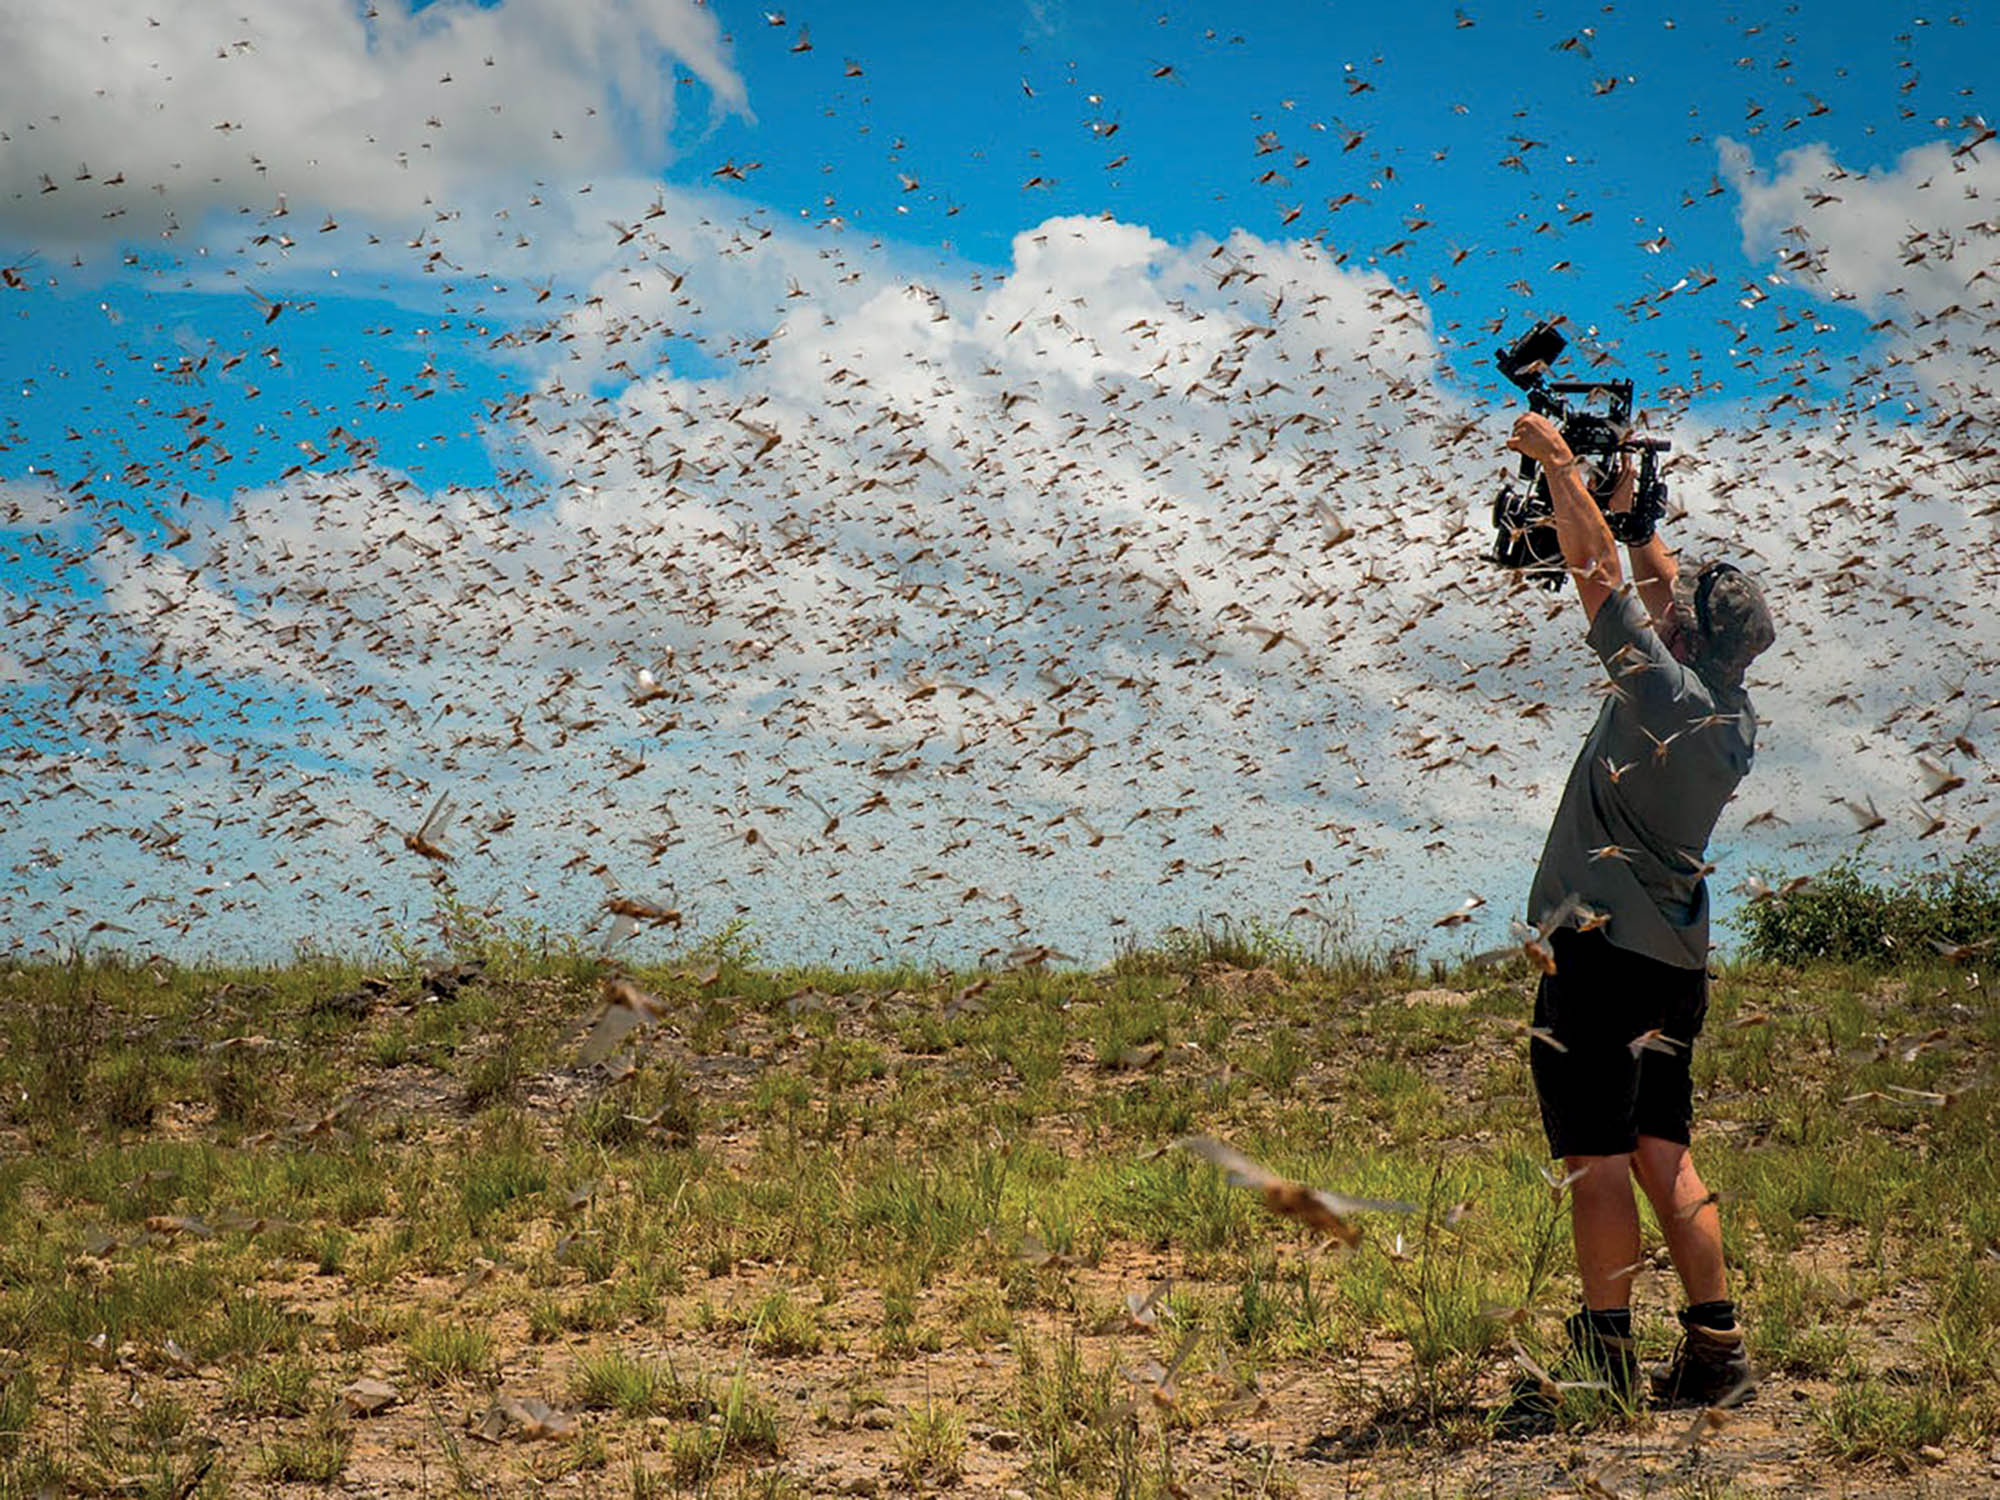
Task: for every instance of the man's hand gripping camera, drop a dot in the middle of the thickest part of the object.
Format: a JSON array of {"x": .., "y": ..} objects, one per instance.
[{"x": 1523, "y": 521}]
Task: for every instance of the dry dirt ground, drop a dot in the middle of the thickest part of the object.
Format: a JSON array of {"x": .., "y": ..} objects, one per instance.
[{"x": 844, "y": 1414}]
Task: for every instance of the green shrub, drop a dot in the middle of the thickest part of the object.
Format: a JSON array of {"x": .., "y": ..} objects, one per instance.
[{"x": 1843, "y": 916}]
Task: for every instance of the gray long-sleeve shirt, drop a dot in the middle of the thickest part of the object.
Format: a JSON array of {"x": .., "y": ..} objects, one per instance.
[{"x": 1630, "y": 836}]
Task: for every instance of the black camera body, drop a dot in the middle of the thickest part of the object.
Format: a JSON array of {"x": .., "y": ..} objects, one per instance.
[{"x": 1524, "y": 521}]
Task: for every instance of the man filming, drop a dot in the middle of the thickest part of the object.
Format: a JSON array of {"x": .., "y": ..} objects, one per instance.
[{"x": 1622, "y": 879}]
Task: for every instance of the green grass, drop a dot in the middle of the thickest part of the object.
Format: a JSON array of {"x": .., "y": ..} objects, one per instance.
[
  {"x": 284, "y": 1387},
  {"x": 782, "y": 1327},
  {"x": 741, "y": 1426},
  {"x": 18, "y": 1392},
  {"x": 815, "y": 1185},
  {"x": 438, "y": 1352},
  {"x": 1866, "y": 1419},
  {"x": 931, "y": 1446},
  {"x": 315, "y": 1455},
  {"x": 615, "y": 1381},
  {"x": 1064, "y": 1405}
]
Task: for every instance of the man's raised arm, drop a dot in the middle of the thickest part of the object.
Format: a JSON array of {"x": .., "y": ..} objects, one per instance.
[
  {"x": 1589, "y": 552},
  {"x": 1652, "y": 563},
  {"x": 1654, "y": 571}
]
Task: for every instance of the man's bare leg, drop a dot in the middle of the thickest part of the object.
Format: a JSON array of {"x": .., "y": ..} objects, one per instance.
[
  {"x": 1687, "y": 1216},
  {"x": 1604, "y": 1223}
]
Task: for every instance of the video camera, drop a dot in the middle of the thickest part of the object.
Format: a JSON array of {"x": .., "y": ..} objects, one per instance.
[{"x": 1524, "y": 522}]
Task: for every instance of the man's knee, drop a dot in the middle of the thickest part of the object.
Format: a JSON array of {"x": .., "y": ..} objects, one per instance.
[
  {"x": 1588, "y": 1176},
  {"x": 1658, "y": 1164}
]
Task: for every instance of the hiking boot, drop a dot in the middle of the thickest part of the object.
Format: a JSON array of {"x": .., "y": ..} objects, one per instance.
[
  {"x": 1597, "y": 1360},
  {"x": 1604, "y": 1356},
  {"x": 1710, "y": 1368}
]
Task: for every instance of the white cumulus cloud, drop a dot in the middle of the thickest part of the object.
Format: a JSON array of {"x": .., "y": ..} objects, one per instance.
[{"x": 124, "y": 119}]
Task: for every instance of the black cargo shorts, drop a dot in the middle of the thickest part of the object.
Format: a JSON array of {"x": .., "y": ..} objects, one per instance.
[{"x": 1601, "y": 1092}]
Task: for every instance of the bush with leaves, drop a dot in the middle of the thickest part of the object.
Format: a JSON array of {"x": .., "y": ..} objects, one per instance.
[{"x": 1841, "y": 915}]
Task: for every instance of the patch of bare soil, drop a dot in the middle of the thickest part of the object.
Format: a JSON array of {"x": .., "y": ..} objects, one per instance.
[{"x": 1315, "y": 1430}]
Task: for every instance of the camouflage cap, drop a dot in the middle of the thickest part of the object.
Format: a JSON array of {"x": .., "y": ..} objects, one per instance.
[{"x": 1731, "y": 620}]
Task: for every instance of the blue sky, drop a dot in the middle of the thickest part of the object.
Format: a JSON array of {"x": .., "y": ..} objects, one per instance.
[{"x": 922, "y": 396}]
